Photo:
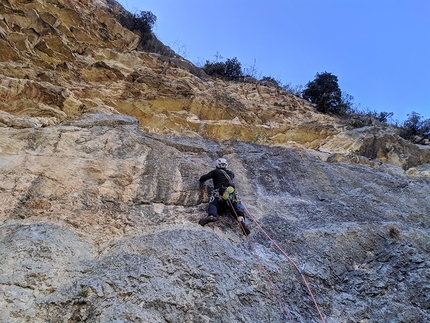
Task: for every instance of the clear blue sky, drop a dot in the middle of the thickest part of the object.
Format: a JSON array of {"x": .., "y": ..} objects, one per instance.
[{"x": 378, "y": 49}]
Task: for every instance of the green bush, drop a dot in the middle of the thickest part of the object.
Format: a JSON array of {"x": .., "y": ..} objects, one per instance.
[
  {"x": 383, "y": 116},
  {"x": 231, "y": 68},
  {"x": 325, "y": 93},
  {"x": 359, "y": 119},
  {"x": 142, "y": 24},
  {"x": 144, "y": 21},
  {"x": 415, "y": 128},
  {"x": 296, "y": 90},
  {"x": 215, "y": 68},
  {"x": 83, "y": 291},
  {"x": 268, "y": 80}
]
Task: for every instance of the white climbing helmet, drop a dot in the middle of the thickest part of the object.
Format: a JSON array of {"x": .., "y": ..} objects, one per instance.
[{"x": 221, "y": 163}]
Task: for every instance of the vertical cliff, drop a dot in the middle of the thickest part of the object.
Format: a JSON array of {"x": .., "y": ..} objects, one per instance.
[{"x": 101, "y": 148}]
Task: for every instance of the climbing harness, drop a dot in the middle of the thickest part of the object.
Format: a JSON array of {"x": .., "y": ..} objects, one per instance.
[{"x": 214, "y": 196}]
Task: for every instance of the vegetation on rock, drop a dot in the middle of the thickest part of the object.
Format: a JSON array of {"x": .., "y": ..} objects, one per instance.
[
  {"x": 99, "y": 209},
  {"x": 325, "y": 93},
  {"x": 231, "y": 68},
  {"x": 415, "y": 128}
]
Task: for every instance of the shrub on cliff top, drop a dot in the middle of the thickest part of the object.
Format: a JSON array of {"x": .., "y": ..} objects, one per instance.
[
  {"x": 325, "y": 93},
  {"x": 231, "y": 68},
  {"x": 142, "y": 22},
  {"x": 271, "y": 81},
  {"x": 415, "y": 128}
]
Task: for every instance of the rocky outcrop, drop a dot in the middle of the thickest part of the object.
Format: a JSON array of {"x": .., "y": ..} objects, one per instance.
[
  {"x": 99, "y": 224},
  {"x": 101, "y": 148},
  {"x": 372, "y": 143},
  {"x": 81, "y": 57},
  {"x": 61, "y": 59}
]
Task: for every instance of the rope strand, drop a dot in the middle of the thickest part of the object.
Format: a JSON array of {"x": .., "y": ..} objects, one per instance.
[
  {"x": 301, "y": 272},
  {"x": 261, "y": 264},
  {"x": 269, "y": 280}
]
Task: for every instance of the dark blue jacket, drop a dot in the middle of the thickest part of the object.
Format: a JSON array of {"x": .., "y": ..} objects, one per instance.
[{"x": 218, "y": 177}]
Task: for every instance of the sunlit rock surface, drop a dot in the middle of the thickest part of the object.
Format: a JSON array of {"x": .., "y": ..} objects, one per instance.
[
  {"x": 101, "y": 148},
  {"x": 99, "y": 223}
]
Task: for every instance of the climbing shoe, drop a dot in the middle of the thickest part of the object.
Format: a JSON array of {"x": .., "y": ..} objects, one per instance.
[
  {"x": 244, "y": 228},
  {"x": 206, "y": 220}
]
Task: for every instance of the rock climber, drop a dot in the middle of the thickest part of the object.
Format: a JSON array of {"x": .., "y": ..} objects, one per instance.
[{"x": 224, "y": 192}]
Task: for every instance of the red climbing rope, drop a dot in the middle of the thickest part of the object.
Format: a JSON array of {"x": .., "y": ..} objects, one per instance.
[
  {"x": 268, "y": 278},
  {"x": 301, "y": 272},
  {"x": 261, "y": 264}
]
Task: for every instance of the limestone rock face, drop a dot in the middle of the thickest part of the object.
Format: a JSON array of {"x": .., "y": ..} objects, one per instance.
[
  {"x": 373, "y": 144},
  {"x": 64, "y": 58},
  {"x": 99, "y": 224},
  {"x": 101, "y": 148}
]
